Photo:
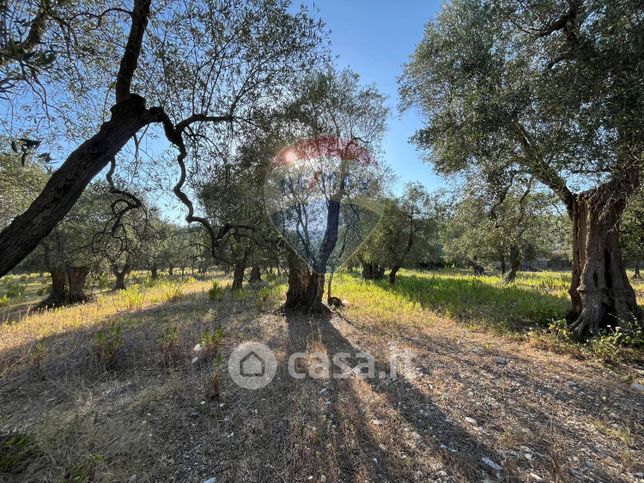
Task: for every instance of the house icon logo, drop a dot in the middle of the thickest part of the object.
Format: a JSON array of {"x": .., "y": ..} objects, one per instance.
[{"x": 252, "y": 365}]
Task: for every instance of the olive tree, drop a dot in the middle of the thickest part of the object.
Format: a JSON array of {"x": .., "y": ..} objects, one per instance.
[
  {"x": 511, "y": 228},
  {"x": 550, "y": 89},
  {"x": 113, "y": 74},
  {"x": 320, "y": 185},
  {"x": 405, "y": 234}
]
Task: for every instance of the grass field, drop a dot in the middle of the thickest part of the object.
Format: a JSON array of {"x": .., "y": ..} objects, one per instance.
[{"x": 112, "y": 390}]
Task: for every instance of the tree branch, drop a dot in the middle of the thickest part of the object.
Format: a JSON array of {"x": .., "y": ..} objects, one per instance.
[{"x": 130, "y": 58}]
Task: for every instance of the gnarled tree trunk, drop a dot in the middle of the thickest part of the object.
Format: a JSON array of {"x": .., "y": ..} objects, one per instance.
[
  {"x": 372, "y": 271},
  {"x": 57, "y": 296},
  {"x": 600, "y": 291},
  {"x": 305, "y": 288},
  {"x": 154, "y": 272},
  {"x": 76, "y": 276},
  {"x": 238, "y": 271},
  {"x": 120, "y": 275}
]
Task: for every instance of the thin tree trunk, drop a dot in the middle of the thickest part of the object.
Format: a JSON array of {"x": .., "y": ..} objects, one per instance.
[
  {"x": 600, "y": 291},
  {"x": 515, "y": 264},
  {"x": 255, "y": 274},
  {"x": 154, "y": 272},
  {"x": 76, "y": 276},
  {"x": 392, "y": 274},
  {"x": 637, "y": 270}
]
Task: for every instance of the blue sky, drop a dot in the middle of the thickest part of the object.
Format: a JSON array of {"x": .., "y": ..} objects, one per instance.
[{"x": 375, "y": 38}]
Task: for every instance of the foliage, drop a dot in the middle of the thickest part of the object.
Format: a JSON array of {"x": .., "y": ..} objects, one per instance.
[
  {"x": 211, "y": 341},
  {"x": 631, "y": 229},
  {"x": 174, "y": 292},
  {"x": 508, "y": 92},
  {"x": 16, "y": 452},
  {"x": 39, "y": 351},
  {"x": 406, "y": 233},
  {"x": 216, "y": 292},
  {"x": 521, "y": 225},
  {"x": 167, "y": 343},
  {"x": 14, "y": 290},
  {"x": 19, "y": 185},
  {"x": 133, "y": 297},
  {"x": 108, "y": 343}
]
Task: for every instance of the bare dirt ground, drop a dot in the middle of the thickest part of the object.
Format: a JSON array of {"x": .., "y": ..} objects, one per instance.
[{"x": 475, "y": 407}]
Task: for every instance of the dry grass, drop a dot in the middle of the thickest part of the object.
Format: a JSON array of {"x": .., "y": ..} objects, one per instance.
[{"x": 155, "y": 414}]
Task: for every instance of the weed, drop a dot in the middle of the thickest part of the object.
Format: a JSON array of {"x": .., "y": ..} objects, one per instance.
[
  {"x": 211, "y": 342},
  {"x": 213, "y": 380},
  {"x": 559, "y": 328},
  {"x": 16, "y": 451},
  {"x": 609, "y": 345},
  {"x": 103, "y": 281},
  {"x": 133, "y": 298},
  {"x": 216, "y": 292},
  {"x": 167, "y": 342},
  {"x": 263, "y": 297},
  {"x": 85, "y": 470},
  {"x": 173, "y": 293},
  {"x": 40, "y": 349},
  {"x": 14, "y": 291},
  {"x": 108, "y": 343}
]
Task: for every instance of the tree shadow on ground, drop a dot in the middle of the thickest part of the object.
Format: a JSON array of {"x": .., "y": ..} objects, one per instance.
[
  {"x": 346, "y": 429},
  {"x": 405, "y": 400}
]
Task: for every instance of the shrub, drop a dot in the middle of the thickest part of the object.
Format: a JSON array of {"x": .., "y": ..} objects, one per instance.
[
  {"x": 108, "y": 343},
  {"x": 213, "y": 382},
  {"x": 263, "y": 297},
  {"x": 167, "y": 342},
  {"x": 39, "y": 353},
  {"x": 13, "y": 291},
  {"x": 216, "y": 292},
  {"x": 103, "y": 281},
  {"x": 173, "y": 293},
  {"x": 559, "y": 328},
  {"x": 133, "y": 298},
  {"x": 610, "y": 343},
  {"x": 211, "y": 342},
  {"x": 4, "y": 301}
]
